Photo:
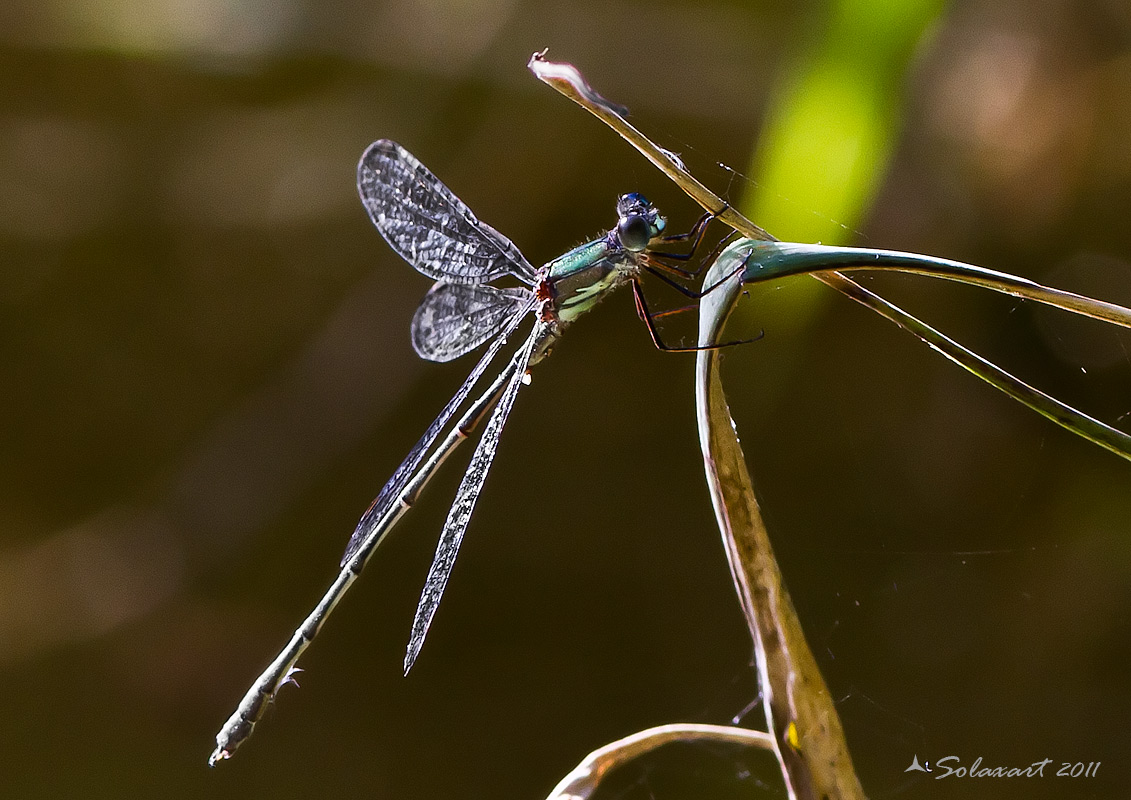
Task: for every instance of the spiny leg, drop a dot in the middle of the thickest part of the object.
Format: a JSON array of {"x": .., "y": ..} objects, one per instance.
[
  {"x": 671, "y": 312},
  {"x": 654, "y": 259},
  {"x": 655, "y": 267},
  {"x": 696, "y": 231},
  {"x": 696, "y": 235},
  {"x": 649, "y": 322},
  {"x": 691, "y": 293}
]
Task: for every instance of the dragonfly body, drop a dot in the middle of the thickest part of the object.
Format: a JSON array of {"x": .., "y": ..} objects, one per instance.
[
  {"x": 436, "y": 233},
  {"x": 579, "y": 279}
]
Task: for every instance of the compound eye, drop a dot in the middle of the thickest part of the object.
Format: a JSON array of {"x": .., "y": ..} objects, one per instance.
[{"x": 634, "y": 232}]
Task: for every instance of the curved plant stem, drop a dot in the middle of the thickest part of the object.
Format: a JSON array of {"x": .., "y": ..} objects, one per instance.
[
  {"x": 778, "y": 259},
  {"x": 569, "y": 81},
  {"x": 808, "y": 736},
  {"x": 773, "y": 260},
  {"x": 583, "y": 779}
]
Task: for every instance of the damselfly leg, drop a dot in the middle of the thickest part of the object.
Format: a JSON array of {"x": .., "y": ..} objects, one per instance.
[{"x": 650, "y": 318}]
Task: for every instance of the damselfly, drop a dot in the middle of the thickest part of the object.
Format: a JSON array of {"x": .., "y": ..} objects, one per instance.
[{"x": 438, "y": 235}]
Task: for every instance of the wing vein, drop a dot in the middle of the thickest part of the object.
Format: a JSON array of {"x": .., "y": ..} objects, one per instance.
[
  {"x": 431, "y": 228},
  {"x": 396, "y": 484},
  {"x": 460, "y": 513}
]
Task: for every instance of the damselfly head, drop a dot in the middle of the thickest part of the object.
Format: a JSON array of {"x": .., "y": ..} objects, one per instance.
[{"x": 639, "y": 222}]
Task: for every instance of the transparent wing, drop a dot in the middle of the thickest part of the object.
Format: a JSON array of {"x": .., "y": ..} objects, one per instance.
[
  {"x": 460, "y": 513},
  {"x": 429, "y": 226},
  {"x": 454, "y": 319},
  {"x": 396, "y": 484}
]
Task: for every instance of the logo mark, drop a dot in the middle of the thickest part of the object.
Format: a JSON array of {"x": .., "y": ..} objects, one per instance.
[{"x": 917, "y": 767}]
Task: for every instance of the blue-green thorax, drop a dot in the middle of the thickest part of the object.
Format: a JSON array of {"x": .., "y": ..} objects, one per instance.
[{"x": 578, "y": 280}]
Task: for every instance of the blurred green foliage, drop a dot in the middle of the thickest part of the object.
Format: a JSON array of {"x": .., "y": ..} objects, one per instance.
[{"x": 831, "y": 127}]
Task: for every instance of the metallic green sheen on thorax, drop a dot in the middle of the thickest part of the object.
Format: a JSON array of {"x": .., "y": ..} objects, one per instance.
[{"x": 581, "y": 277}]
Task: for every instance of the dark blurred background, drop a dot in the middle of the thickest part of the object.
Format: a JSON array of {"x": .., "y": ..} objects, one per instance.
[{"x": 206, "y": 376}]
